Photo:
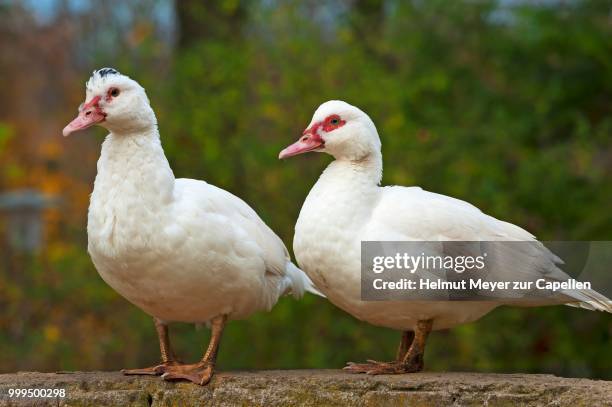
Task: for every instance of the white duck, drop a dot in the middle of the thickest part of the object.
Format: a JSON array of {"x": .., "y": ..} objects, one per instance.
[
  {"x": 180, "y": 249},
  {"x": 347, "y": 206}
]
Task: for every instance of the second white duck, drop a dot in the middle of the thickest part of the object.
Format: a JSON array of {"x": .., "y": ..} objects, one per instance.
[{"x": 347, "y": 206}]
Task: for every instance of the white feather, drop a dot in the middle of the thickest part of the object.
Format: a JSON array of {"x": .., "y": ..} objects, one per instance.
[
  {"x": 180, "y": 249},
  {"x": 347, "y": 206}
]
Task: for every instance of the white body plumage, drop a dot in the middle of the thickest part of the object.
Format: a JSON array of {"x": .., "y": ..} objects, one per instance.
[
  {"x": 347, "y": 206},
  {"x": 180, "y": 249}
]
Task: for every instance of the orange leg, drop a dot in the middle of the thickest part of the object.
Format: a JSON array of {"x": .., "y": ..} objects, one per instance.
[
  {"x": 407, "y": 338},
  {"x": 409, "y": 354},
  {"x": 201, "y": 372},
  {"x": 167, "y": 356}
]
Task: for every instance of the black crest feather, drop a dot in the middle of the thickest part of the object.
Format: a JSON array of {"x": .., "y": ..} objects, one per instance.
[{"x": 107, "y": 71}]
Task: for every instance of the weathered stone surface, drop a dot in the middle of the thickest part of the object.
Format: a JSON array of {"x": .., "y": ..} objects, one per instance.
[{"x": 311, "y": 388}]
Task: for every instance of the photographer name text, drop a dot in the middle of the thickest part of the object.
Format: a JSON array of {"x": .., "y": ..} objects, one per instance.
[{"x": 479, "y": 284}]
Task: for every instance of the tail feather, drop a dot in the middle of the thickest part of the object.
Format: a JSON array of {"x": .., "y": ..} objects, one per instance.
[
  {"x": 589, "y": 299},
  {"x": 297, "y": 282}
]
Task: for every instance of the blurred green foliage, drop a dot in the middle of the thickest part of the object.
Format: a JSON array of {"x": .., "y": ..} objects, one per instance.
[{"x": 504, "y": 104}]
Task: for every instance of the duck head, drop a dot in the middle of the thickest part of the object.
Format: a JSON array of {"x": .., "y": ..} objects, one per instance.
[
  {"x": 113, "y": 101},
  {"x": 339, "y": 129}
]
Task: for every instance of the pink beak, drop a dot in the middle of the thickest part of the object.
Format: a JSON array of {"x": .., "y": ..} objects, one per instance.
[
  {"x": 308, "y": 142},
  {"x": 89, "y": 114}
]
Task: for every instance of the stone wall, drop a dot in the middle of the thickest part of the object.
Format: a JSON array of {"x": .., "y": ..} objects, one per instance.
[{"x": 311, "y": 388}]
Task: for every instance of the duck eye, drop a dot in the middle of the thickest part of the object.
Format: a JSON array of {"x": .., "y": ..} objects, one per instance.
[
  {"x": 335, "y": 121},
  {"x": 114, "y": 92}
]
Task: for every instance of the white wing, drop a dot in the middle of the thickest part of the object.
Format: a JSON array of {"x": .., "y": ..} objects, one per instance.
[
  {"x": 414, "y": 214},
  {"x": 244, "y": 233}
]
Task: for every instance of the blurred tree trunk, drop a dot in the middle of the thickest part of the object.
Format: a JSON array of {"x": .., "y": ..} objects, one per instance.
[
  {"x": 368, "y": 16},
  {"x": 209, "y": 20},
  {"x": 205, "y": 27},
  {"x": 367, "y": 20}
]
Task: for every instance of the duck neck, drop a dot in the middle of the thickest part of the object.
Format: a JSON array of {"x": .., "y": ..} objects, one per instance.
[
  {"x": 133, "y": 167},
  {"x": 363, "y": 174},
  {"x": 347, "y": 189}
]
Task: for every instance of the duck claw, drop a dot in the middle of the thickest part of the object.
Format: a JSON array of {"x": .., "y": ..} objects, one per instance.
[{"x": 199, "y": 373}]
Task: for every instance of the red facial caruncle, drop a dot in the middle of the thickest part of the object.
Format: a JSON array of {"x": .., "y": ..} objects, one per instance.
[
  {"x": 311, "y": 139},
  {"x": 89, "y": 114},
  {"x": 111, "y": 93},
  {"x": 94, "y": 103},
  {"x": 332, "y": 122}
]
